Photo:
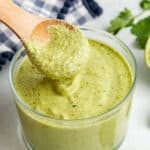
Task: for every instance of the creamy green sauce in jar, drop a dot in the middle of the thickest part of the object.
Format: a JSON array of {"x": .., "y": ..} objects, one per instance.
[
  {"x": 69, "y": 79},
  {"x": 101, "y": 84}
]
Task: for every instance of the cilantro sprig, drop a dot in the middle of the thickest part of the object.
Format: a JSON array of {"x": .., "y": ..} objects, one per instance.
[
  {"x": 145, "y": 4},
  {"x": 124, "y": 19},
  {"x": 141, "y": 29}
]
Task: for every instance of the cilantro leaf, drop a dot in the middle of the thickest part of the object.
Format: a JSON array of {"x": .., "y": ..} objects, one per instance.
[
  {"x": 124, "y": 19},
  {"x": 145, "y": 4},
  {"x": 142, "y": 30}
]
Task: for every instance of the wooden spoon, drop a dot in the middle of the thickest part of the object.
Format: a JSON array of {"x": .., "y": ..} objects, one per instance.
[
  {"x": 30, "y": 27},
  {"x": 24, "y": 24}
]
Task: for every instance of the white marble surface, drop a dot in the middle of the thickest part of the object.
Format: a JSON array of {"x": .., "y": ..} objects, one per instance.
[{"x": 138, "y": 137}]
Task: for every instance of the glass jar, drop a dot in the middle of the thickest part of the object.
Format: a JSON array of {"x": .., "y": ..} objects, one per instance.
[{"x": 102, "y": 132}]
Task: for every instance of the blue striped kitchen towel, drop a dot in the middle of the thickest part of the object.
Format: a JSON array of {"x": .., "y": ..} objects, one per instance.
[{"x": 74, "y": 11}]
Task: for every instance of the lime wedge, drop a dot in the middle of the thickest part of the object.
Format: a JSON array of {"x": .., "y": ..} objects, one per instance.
[{"x": 147, "y": 52}]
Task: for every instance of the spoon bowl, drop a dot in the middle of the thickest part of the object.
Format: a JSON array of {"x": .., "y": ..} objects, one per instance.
[{"x": 40, "y": 31}]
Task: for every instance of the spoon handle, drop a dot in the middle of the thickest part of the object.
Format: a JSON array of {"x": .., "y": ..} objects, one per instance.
[{"x": 19, "y": 20}]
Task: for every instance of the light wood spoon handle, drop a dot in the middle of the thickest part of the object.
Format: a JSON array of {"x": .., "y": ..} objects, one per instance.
[{"x": 19, "y": 20}]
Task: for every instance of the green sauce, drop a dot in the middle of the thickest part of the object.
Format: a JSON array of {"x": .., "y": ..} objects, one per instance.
[
  {"x": 63, "y": 56},
  {"x": 73, "y": 78},
  {"x": 100, "y": 85}
]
